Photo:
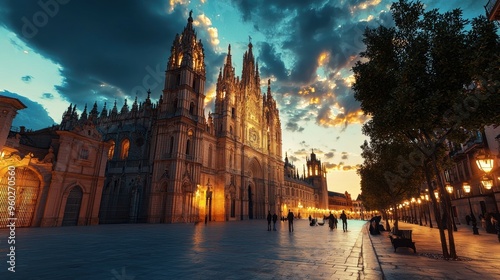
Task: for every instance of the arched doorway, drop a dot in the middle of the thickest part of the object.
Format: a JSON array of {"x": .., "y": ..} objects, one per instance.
[
  {"x": 72, "y": 209},
  {"x": 21, "y": 185}
]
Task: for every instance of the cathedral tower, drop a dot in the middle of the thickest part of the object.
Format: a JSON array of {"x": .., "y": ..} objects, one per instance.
[
  {"x": 316, "y": 173},
  {"x": 178, "y": 130}
]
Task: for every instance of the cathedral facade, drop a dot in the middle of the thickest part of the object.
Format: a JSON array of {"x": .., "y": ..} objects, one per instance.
[{"x": 167, "y": 162}]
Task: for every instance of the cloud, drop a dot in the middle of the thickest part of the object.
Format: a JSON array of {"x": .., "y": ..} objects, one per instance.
[
  {"x": 341, "y": 166},
  {"x": 27, "y": 79},
  {"x": 107, "y": 51},
  {"x": 345, "y": 155},
  {"x": 329, "y": 155},
  {"x": 33, "y": 117},
  {"x": 47, "y": 95}
]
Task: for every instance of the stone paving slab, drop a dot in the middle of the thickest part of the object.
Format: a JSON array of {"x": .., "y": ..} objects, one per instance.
[
  {"x": 219, "y": 250},
  {"x": 480, "y": 254}
]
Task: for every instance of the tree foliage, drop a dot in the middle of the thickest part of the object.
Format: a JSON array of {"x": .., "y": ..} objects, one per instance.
[{"x": 429, "y": 78}]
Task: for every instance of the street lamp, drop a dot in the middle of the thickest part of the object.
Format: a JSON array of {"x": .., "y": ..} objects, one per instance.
[
  {"x": 208, "y": 203},
  {"x": 487, "y": 182},
  {"x": 485, "y": 162},
  {"x": 472, "y": 217}
]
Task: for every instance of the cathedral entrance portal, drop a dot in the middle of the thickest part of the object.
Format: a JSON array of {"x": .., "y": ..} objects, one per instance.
[
  {"x": 23, "y": 190},
  {"x": 72, "y": 209}
]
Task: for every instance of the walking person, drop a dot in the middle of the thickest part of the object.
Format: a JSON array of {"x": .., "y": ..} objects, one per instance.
[
  {"x": 343, "y": 217},
  {"x": 269, "y": 218},
  {"x": 331, "y": 221},
  {"x": 275, "y": 218},
  {"x": 290, "y": 218}
]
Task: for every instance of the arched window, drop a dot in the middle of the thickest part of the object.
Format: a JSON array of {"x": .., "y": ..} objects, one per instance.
[
  {"x": 191, "y": 108},
  {"x": 174, "y": 105},
  {"x": 188, "y": 143},
  {"x": 111, "y": 151},
  {"x": 171, "y": 145},
  {"x": 210, "y": 156},
  {"x": 125, "y": 146}
]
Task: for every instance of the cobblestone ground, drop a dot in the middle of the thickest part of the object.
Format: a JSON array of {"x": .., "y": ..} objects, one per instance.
[{"x": 234, "y": 250}]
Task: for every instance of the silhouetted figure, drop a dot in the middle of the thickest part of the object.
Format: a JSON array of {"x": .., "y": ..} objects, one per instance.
[
  {"x": 467, "y": 219},
  {"x": 269, "y": 218},
  {"x": 275, "y": 218},
  {"x": 331, "y": 221},
  {"x": 290, "y": 218},
  {"x": 343, "y": 217}
]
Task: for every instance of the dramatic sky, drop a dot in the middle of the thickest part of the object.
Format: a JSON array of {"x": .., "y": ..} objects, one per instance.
[{"x": 57, "y": 52}]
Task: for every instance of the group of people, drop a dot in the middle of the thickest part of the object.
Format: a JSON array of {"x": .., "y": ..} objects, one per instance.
[
  {"x": 272, "y": 218},
  {"x": 332, "y": 220}
]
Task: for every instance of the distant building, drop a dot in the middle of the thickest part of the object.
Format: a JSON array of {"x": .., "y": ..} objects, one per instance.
[
  {"x": 340, "y": 201},
  {"x": 165, "y": 161}
]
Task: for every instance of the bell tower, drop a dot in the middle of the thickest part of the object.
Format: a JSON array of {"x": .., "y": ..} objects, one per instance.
[
  {"x": 316, "y": 173},
  {"x": 177, "y": 140}
]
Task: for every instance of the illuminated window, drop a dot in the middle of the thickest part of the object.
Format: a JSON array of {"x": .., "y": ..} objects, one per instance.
[
  {"x": 125, "y": 147},
  {"x": 111, "y": 151}
]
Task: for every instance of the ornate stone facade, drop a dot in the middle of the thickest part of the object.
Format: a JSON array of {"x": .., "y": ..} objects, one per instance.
[
  {"x": 166, "y": 162},
  {"x": 53, "y": 176}
]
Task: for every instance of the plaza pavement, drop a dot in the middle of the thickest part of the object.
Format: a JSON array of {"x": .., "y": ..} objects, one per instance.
[
  {"x": 479, "y": 254},
  {"x": 219, "y": 250},
  {"x": 241, "y": 250}
]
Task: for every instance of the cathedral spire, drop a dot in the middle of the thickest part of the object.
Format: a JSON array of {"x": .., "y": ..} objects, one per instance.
[
  {"x": 114, "y": 111},
  {"x": 269, "y": 95},
  {"x": 104, "y": 112},
  {"x": 228, "y": 66}
]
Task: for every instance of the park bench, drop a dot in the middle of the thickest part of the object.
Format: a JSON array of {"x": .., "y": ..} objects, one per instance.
[{"x": 402, "y": 238}]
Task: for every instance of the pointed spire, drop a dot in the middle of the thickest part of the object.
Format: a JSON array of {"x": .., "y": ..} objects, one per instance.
[
  {"x": 74, "y": 114},
  {"x": 83, "y": 117},
  {"x": 125, "y": 107},
  {"x": 104, "y": 112},
  {"x": 94, "y": 113},
  {"x": 269, "y": 94},
  {"x": 135, "y": 106},
  {"x": 114, "y": 111}
]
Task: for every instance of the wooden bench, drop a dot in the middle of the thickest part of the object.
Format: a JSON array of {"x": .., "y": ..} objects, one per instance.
[{"x": 402, "y": 238}]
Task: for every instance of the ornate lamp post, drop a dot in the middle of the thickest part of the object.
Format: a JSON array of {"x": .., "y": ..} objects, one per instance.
[
  {"x": 300, "y": 208},
  {"x": 472, "y": 217},
  {"x": 208, "y": 203}
]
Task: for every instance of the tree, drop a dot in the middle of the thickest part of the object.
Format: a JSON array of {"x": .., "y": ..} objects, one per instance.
[
  {"x": 430, "y": 77},
  {"x": 379, "y": 192}
]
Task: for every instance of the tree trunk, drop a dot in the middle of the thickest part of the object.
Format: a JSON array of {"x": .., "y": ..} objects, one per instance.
[
  {"x": 386, "y": 218},
  {"x": 447, "y": 211},
  {"x": 437, "y": 213}
]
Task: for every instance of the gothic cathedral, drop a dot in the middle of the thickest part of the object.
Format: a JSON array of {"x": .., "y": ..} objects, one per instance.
[{"x": 165, "y": 161}]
